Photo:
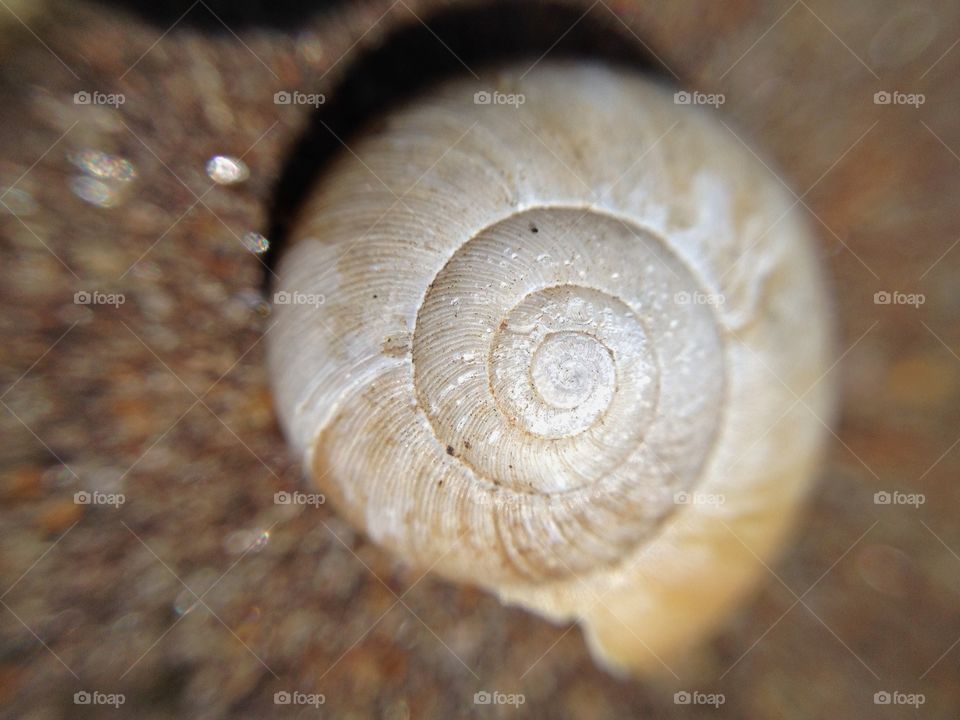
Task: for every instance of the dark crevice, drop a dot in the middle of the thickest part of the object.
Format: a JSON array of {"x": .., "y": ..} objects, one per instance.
[
  {"x": 413, "y": 59},
  {"x": 225, "y": 16}
]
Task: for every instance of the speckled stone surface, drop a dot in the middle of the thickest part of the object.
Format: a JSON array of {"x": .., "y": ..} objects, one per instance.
[{"x": 201, "y": 597}]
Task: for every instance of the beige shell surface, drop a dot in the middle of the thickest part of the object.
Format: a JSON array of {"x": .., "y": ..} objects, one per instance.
[{"x": 560, "y": 349}]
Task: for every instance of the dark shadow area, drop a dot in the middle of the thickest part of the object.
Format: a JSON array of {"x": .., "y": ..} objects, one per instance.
[
  {"x": 419, "y": 54},
  {"x": 212, "y": 15}
]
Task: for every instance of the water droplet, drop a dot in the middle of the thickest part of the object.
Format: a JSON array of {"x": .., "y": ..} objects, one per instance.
[
  {"x": 98, "y": 164},
  {"x": 226, "y": 170},
  {"x": 255, "y": 243},
  {"x": 105, "y": 177},
  {"x": 260, "y": 541},
  {"x": 185, "y": 602},
  {"x": 96, "y": 192}
]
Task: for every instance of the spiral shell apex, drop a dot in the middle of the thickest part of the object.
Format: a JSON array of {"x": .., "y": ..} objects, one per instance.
[{"x": 560, "y": 351}]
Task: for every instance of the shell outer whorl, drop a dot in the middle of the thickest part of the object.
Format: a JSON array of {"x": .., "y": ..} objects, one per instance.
[{"x": 546, "y": 324}]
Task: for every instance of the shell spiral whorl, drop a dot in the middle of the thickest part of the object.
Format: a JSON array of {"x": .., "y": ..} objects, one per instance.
[
  {"x": 546, "y": 328},
  {"x": 543, "y": 367}
]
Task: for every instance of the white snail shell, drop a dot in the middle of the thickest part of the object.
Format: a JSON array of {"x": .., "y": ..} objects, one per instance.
[{"x": 559, "y": 350}]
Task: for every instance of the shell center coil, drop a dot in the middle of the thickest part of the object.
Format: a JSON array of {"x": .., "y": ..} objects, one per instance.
[
  {"x": 573, "y": 370},
  {"x": 554, "y": 360},
  {"x": 538, "y": 357}
]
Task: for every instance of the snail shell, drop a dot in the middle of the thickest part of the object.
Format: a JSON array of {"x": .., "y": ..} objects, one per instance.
[{"x": 559, "y": 351}]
